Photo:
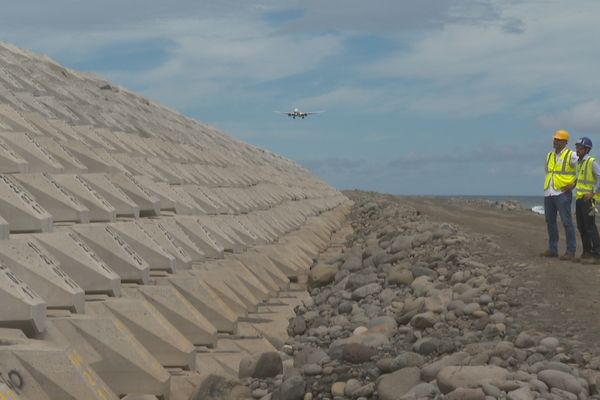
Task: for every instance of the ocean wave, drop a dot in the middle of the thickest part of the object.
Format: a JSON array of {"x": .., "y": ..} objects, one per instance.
[{"x": 538, "y": 209}]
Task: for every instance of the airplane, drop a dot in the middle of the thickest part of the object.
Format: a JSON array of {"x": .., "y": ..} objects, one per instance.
[{"x": 300, "y": 114}]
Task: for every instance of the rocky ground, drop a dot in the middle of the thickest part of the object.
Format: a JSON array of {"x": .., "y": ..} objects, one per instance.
[{"x": 417, "y": 309}]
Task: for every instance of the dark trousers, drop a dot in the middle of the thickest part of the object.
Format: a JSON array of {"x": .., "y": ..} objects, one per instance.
[{"x": 586, "y": 224}]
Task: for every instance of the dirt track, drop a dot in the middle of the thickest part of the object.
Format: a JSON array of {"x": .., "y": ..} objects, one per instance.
[{"x": 564, "y": 297}]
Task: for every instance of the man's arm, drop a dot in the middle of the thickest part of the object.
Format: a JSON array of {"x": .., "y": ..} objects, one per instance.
[{"x": 596, "y": 172}]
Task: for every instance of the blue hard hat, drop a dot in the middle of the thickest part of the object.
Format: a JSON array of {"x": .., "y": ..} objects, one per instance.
[{"x": 585, "y": 142}]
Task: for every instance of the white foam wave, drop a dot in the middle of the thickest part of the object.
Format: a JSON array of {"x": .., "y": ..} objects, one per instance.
[{"x": 538, "y": 209}]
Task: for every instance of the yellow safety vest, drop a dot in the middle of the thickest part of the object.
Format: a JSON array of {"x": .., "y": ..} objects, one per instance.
[
  {"x": 586, "y": 181},
  {"x": 561, "y": 173}
]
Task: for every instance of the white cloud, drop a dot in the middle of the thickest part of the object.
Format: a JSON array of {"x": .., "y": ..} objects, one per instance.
[
  {"x": 581, "y": 117},
  {"x": 497, "y": 69}
]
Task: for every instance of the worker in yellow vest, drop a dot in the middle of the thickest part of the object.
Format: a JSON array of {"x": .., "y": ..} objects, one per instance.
[
  {"x": 558, "y": 186},
  {"x": 587, "y": 191}
]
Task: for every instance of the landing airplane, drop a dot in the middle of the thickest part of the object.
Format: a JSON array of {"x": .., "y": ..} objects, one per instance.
[{"x": 300, "y": 114}]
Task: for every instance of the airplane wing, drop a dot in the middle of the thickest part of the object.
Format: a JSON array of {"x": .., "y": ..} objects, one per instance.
[{"x": 314, "y": 112}]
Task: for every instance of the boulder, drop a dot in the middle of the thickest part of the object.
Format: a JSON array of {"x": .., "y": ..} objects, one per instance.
[
  {"x": 454, "y": 377},
  {"x": 392, "y": 386}
]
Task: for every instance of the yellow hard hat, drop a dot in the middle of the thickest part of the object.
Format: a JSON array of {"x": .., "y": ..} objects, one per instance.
[{"x": 561, "y": 134}]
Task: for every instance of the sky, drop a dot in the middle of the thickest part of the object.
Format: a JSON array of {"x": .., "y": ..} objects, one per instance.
[{"x": 443, "y": 97}]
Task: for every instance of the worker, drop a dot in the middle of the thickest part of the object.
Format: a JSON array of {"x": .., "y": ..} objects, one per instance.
[
  {"x": 587, "y": 191},
  {"x": 558, "y": 186}
]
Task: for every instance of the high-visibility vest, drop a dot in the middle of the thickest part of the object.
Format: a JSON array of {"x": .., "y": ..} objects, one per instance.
[
  {"x": 561, "y": 173},
  {"x": 586, "y": 181}
]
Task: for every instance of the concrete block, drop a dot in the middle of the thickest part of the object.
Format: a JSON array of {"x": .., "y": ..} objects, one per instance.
[
  {"x": 34, "y": 265},
  {"x": 189, "y": 200},
  {"x": 239, "y": 278},
  {"x": 167, "y": 241},
  {"x": 113, "y": 352},
  {"x": 161, "y": 190},
  {"x": 201, "y": 237},
  {"x": 99, "y": 208},
  {"x": 222, "y": 235},
  {"x": 106, "y": 242},
  {"x": 173, "y": 177},
  {"x": 233, "y": 298},
  {"x": 206, "y": 301},
  {"x": 150, "y": 328},
  {"x": 178, "y": 311},
  {"x": 38, "y": 159},
  {"x": 20, "y": 209},
  {"x": 124, "y": 205},
  {"x": 55, "y": 199},
  {"x": 264, "y": 270},
  {"x": 229, "y": 223},
  {"x": 182, "y": 238},
  {"x": 20, "y": 307},
  {"x": 37, "y": 370},
  {"x": 16, "y": 120},
  {"x": 89, "y": 157},
  {"x": 148, "y": 203},
  {"x": 81, "y": 263},
  {"x": 4, "y": 229},
  {"x": 10, "y": 161},
  {"x": 60, "y": 153},
  {"x": 146, "y": 247},
  {"x": 208, "y": 206}
]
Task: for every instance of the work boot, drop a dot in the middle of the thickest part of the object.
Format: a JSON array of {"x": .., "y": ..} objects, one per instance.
[
  {"x": 549, "y": 254},
  {"x": 568, "y": 256},
  {"x": 584, "y": 256},
  {"x": 591, "y": 260}
]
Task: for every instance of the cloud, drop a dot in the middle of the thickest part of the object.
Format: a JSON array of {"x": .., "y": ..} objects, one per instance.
[
  {"x": 483, "y": 68},
  {"x": 583, "y": 117}
]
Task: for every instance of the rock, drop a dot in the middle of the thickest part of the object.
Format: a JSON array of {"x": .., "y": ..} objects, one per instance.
[
  {"x": 424, "y": 320},
  {"x": 403, "y": 360},
  {"x": 357, "y": 353},
  {"x": 219, "y": 388},
  {"x": 524, "y": 340},
  {"x": 356, "y": 281},
  {"x": 309, "y": 355},
  {"x": 401, "y": 243},
  {"x": 352, "y": 264},
  {"x": 364, "y": 391},
  {"x": 550, "y": 342},
  {"x": 523, "y": 393},
  {"x": 438, "y": 302},
  {"x": 352, "y": 385},
  {"x": 321, "y": 275},
  {"x": 426, "y": 345},
  {"x": 422, "y": 271},
  {"x": 367, "y": 290},
  {"x": 264, "y": 365},
  {"x": 421, "y": 391},
  {"x": 297, "y": 325},
  {"x": 560, "y": 380},
  {"x": 345, "y": 308},
  {"x": 392, "y": 386},
  {"x": 400, "y": 276},
  {"x": 312, "y": 369},
  {"x": 466, "y": 394},
  {"x": 337, "y": 389},
  {"x": 291, "y": 389},
  {"x": 453, "y": 377},
  {"x": 430, "y": 371},
  {"x": 384, "y": 325},
  {"x": 359, "y": 330}
]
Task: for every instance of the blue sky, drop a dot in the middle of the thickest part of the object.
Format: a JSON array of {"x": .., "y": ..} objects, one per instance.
[{"x": 421, "y": 97}]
